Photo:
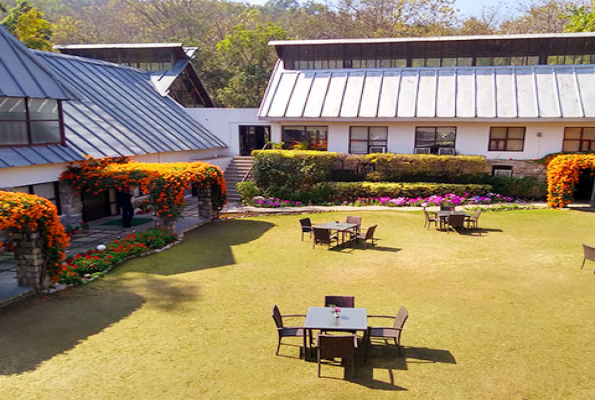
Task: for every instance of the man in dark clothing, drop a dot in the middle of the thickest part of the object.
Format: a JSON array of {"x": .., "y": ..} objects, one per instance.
[{"x": 123, "y": 199}]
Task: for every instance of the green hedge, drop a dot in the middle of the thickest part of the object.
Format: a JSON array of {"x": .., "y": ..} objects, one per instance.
[
  {"x": 351, "y": 190},
  {"x": 528, "y": 187}
]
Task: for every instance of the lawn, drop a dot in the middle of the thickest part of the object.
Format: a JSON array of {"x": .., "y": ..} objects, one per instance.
[{"x": 504, "y": 315}]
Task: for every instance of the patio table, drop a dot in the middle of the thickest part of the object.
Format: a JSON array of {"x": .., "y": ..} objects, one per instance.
[
  {"x": 339, "y": 227},
  {"x": 323, "y": 318},
  {"x": 445, "y": 214}
]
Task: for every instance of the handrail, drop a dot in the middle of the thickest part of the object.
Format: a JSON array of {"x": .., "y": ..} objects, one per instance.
[{"x": 245, "y": 178}]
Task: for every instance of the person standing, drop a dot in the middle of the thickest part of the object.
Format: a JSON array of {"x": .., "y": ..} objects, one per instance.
[{"x": 123, "y": 199}]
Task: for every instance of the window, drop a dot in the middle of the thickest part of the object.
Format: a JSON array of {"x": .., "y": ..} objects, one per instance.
[
  {"x": 368, "y": 139},
  {"x": 434, "y": 138},
  {"x": 30, "y": 121},
  {"x": 310, "y": 137},
  {"x": 504, "y": 138},
  {"x": 502, "y": 170},
  {"x": 579, "y": 139},
  {"x": 47, "y": 190}
]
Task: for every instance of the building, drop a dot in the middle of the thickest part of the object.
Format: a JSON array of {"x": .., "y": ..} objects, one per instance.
[
  {"x": 56, "y": 108},
  {"x": 509, "y": 98}
]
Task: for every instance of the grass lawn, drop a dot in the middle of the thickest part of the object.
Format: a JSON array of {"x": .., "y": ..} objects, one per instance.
[{"x": 505, "y": 315}]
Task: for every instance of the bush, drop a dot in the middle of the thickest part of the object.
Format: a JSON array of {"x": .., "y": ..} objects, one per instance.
[
  {"x": 247, "y": 190},
  {"x": 528, "y": 187},
  {"x": 348, "y": 191}
]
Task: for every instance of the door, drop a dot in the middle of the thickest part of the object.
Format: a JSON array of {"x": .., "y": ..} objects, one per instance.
[
  {"x": 253, "y": 138},
  {"x": 583, "y": 190},
  {"x": 96, "y": 206}
]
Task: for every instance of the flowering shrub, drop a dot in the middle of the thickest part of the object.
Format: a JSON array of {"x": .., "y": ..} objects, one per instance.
[
  {"x": 96, "y": 261},
  {"x": 448, "y": 199},
  {"x": 274, "y": 203},
  {"x": 22, "y": 212},
  {"x": 563, "y": 173},
  {"x": 165, "y": 183}
]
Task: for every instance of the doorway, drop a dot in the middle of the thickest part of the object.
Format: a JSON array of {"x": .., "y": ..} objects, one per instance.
[
  {"x": 253, "y": 137},
  {"x": 100, "y": 205},
  {"x": 583, "y": 190}
]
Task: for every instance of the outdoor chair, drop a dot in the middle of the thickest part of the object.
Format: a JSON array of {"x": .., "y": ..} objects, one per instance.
[
  {"x": 455, "y": 221},
  {"x": 393, "y": 332},
  {"x": 286, "y": 331},
  {"x": 355, "y": 220},
  {"x": 473, "y": 221},
  {"x": 330, "y": 346},
  {"x": 429, "y": 219},
  {"x": 447, "y": 208},
  {"x": 307, "y": 227},
  {"x": 339, "y": 301},
  {"x": 368, "y": 236},
  {"x": 589, "y": 254},
  {"x": 323, "y": 236}
]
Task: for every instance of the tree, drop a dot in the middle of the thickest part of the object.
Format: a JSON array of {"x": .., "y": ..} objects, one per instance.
[
  {"x": 248, "y": 59},
  {"x": 582, "y": 19},
  {"x": 546, "y": 16},
  {"x": 27, "y": 23}
]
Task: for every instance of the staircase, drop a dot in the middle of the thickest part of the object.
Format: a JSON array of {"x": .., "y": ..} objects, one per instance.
[{"x": 235, "y": 172}]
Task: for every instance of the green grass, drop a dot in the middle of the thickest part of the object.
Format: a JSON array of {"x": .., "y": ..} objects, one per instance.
[{"x": 504, "y": 315}]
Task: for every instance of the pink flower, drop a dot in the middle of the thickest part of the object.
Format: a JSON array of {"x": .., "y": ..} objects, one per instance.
[{"x": 337, "y": 309}]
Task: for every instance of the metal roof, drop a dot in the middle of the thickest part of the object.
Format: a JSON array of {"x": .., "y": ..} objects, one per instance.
[
  {"x": 508, "y": 92},
  {"x": 22, "y": 75},
  {"x": 116, "y": 46},
  {"x": 164, "y": 79},
  {"x": 433, "y": 39},
  {"x": 120, "y": 114}
]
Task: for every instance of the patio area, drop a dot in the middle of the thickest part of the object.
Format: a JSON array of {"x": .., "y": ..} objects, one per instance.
[{"x": 507, "y": 314}]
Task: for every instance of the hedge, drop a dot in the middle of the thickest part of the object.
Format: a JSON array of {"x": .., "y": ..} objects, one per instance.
[{"x": 348, "y": 191}]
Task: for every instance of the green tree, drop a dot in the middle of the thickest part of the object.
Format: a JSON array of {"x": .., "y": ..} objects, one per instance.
[
  {"x": 582, "y": 19},
  {"x": 248, "y": 59},
  {"x": 27, "y": 23}
]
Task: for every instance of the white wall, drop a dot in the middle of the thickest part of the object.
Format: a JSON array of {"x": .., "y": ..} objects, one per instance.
[{"x": 472, "y": 137}]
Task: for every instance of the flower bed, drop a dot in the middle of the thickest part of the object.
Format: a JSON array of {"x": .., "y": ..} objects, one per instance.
[
  {"x": 74, "y": 269},
  {"x": 275, "y": 203}
]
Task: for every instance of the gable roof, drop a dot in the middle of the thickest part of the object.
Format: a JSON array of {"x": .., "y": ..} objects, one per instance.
[
  {"x": 508, "y": 92},
  {"x": 120, "y": 113},
  {"x": 22, "y": 75}
]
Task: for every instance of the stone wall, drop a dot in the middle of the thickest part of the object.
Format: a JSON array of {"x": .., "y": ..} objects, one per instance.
[
  {"x": 72, "y": 205},
  {"x": 31, "y": 260},
  {"x": 522, "y": 168},
  {"x": 205, "y": 205}
]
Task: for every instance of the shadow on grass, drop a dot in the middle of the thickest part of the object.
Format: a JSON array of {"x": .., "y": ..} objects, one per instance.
[
  {"x": 38, "y": 330},
  {"x": 203, "y": 248}
]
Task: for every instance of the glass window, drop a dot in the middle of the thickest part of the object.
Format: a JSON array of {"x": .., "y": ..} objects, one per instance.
[
  {"x": 368, "y": 139},
  {"x": 47, "y": 190},
  {"x": 308, "y": 137},
  {"x": 506, "y": 138},
  {"x": 435, "y": 138},
  {"x": 579, "y": 139}
]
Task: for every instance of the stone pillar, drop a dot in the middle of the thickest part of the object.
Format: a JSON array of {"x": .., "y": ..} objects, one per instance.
[
  {"x": 71, "y": 203},
  {"x": 205, "y": 206},
  {"x": 31, "y": 260}
]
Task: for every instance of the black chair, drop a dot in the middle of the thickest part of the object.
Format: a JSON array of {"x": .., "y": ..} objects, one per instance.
[
  {"x": 474, "y": 220},
  {"x": 307, "y": 227},
  {"x": 339, "y": 301},
  {"x": 428, "y": 219},
  {"x": 287, "y": 331},
  {"x": 368, "y": 236},
  {"x": 323, "y": 236},
  {"x": 393, "y": 332},
  {"x": 455, "y": 221},
  {"x": 330, "y": 346}
]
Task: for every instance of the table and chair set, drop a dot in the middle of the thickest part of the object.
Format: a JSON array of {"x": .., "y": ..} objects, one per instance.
[
  {"x": 340, "y": 233},
  {"x": 448, "y": 217},
  {"x": 339, "y": 316}
]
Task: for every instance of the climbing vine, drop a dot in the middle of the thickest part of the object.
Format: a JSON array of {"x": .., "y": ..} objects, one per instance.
[
  {"x": 563, "y": 173},
  {"x": 166, "y": 184},
  {"x": 27, "y": 213}
]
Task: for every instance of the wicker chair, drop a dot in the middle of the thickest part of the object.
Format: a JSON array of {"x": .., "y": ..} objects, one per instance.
[
  {"x": 339, "y": 301},
  {"x": 330, "y": 346},
  {"x": 474, "y": 220},
  {"x": 393, "y": 332},
  {"x": 307, "y": 227},
  {"x": 447, "y": 208},
  {"x": 323, "y": 236},
  {"x": 286, "y": 331},
  {"x": 589, "y": 254},
  {"x": 455, "y": 221},
  {"x": 429, "y": 219},
  {"x": 368, "y": 236}
]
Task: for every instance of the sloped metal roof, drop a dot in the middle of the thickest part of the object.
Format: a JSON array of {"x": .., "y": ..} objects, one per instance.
[
  {"x": 164, "y": 79},
  {"x": 120, "y": 114},
  {"x": 509, "y": 92},
  {"x": 22, "y": 75}
]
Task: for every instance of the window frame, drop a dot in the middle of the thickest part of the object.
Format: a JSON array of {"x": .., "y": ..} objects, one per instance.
[
  {"x": 28, "y": 120},
  {"x": 305, "y": 129},
  {"x": 579, "y": 140},
  {"x": 31, "y": 190},
  {"x": 507, "y": 138},
  {"x": 368, "y": 140},
  {"x": 435, "y": 145}
]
